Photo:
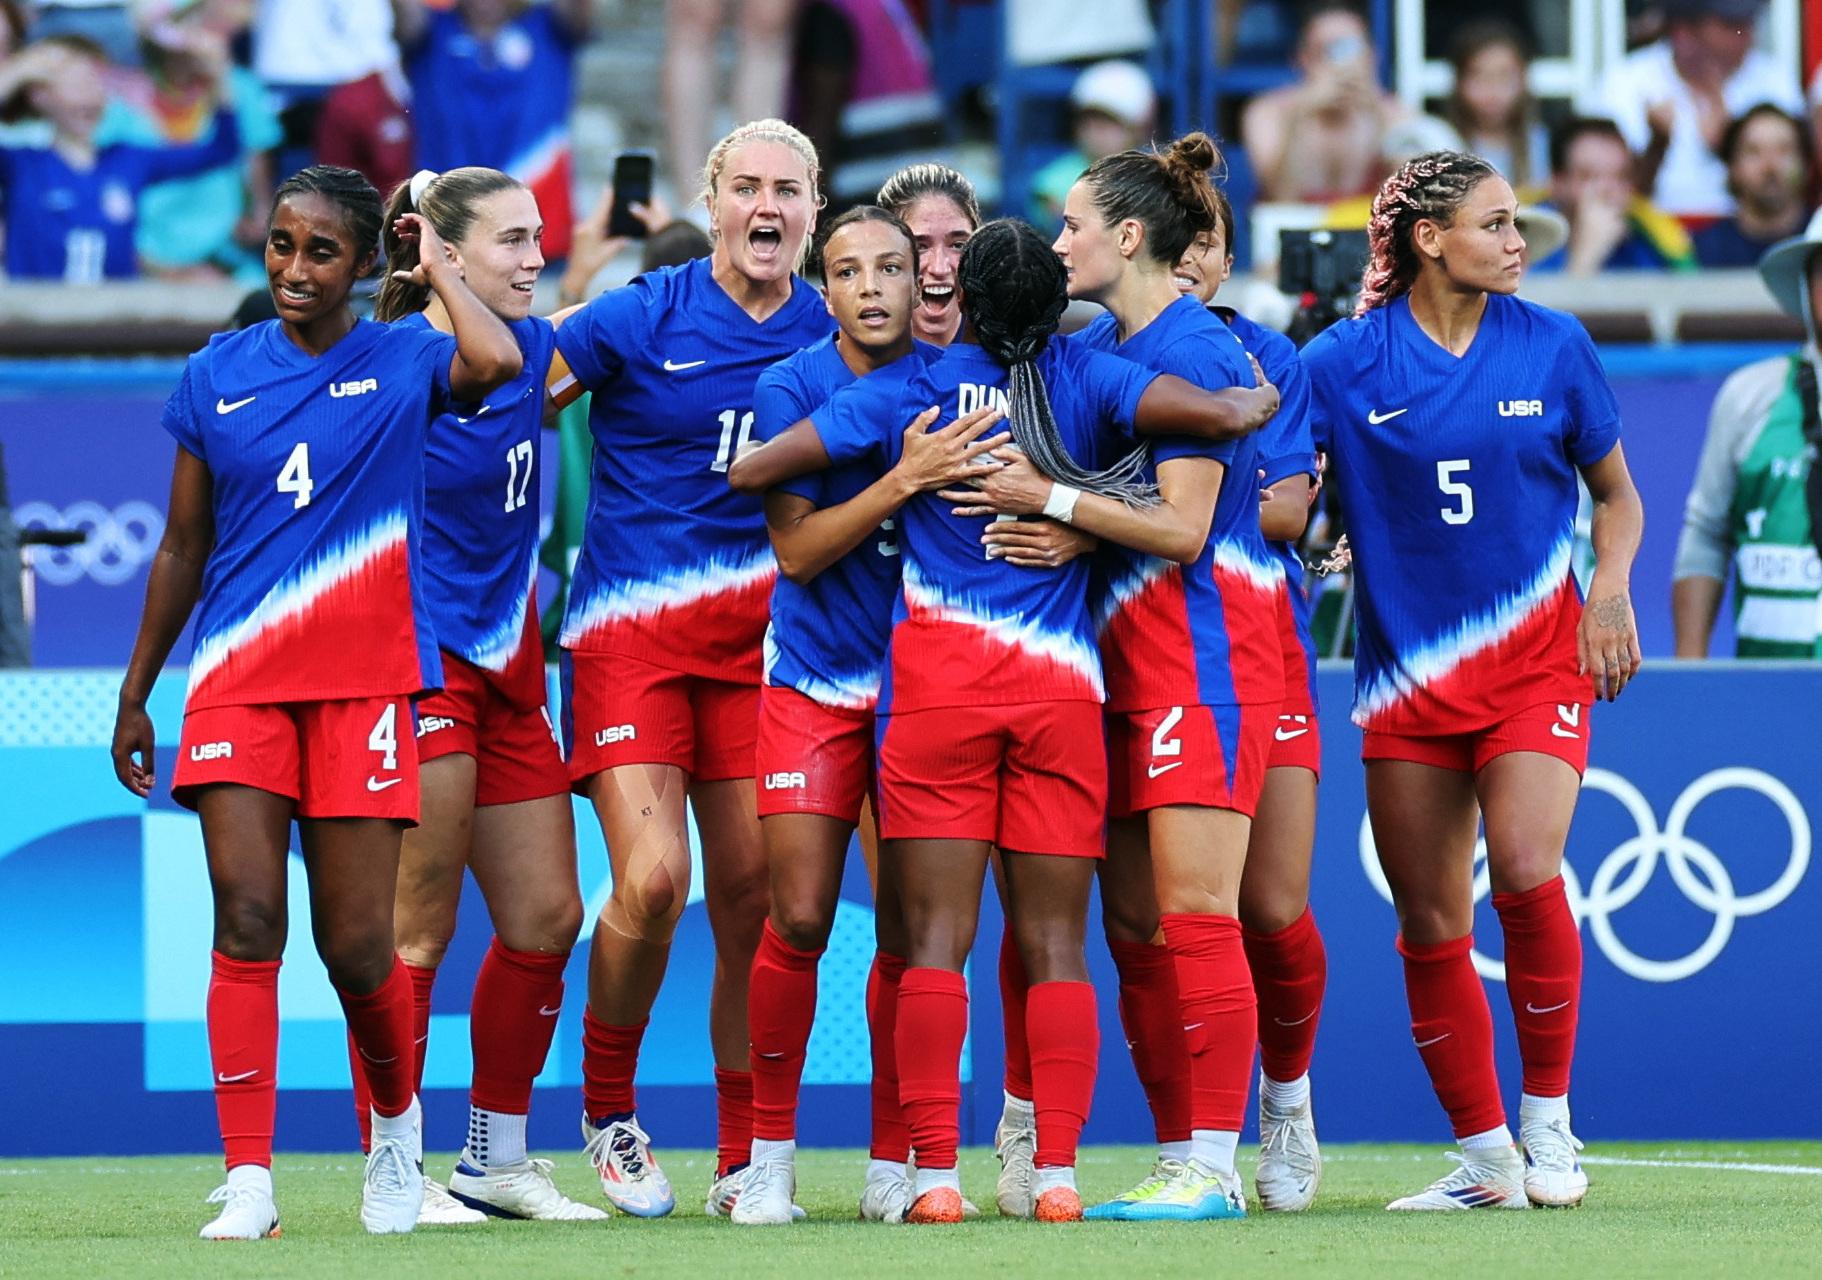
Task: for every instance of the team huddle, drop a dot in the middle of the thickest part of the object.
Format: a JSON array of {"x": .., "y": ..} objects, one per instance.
[{"x": 893, "y": 556}]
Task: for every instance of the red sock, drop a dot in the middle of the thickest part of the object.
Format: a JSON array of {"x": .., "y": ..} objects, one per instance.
[
  {"x": 380, "y": 1024},
  {"x": 932, "y": 1024},
  {"x": 1065, "y": 1046},
  {"x": 781, "y": 1006},
  {"x": 733, "y": 1120},
  {"x": 243, "y": 1050},
  {"x": 891, "y": 1140},
  {"x": 1453, "y": 1029},
  {"x": 1014, "y": 987},
  {"x": 610, "y": 1057},
  {"x": 517, "y": 996},
  {"x": 1150, "y": 1013},
  {"x": 423, "y": 978},
  {"x": 1544, "y": 981},
  {"x": 1290, "y": 971},
  {"x": 1220, "y": 1015},
  {"x": 363, "y": 1096}
]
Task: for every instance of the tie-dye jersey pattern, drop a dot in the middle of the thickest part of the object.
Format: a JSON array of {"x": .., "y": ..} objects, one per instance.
[
  {"x": 1203, "y": 633},
  {"x": 312, "y": 591},
  {"x": 675, "y": 567},
  {"x": 967, "y": 630},
  {"x": 481, "y": 523},
  {"x": 827, "y": 638},
  {"x": 1457, "y": 480}
]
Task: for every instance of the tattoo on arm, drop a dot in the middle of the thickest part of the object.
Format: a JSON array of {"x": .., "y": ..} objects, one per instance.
[{"x": 1610, "y": 614}]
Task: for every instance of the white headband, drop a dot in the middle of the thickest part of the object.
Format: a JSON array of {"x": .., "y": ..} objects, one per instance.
[{"x": 420, "y": 183}]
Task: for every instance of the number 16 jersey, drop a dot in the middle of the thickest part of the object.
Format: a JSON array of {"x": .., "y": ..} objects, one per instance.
[{"x": 1457, "y": 479}]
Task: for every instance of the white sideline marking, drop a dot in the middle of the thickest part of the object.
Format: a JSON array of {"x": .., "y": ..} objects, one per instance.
[{"x": 1729, "y": 1166}]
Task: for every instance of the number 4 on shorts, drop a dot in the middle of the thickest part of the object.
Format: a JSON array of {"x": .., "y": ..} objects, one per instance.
[{"x": 385, "y": 737}]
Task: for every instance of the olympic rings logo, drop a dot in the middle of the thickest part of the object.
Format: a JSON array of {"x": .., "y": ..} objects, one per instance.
[
  {"x": 1698, "y": 871},
  {"x": 120, "y": 542}
]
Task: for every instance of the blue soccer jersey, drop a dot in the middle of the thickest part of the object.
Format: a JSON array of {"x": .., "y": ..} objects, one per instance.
[
  {"x": 968, "y": 630},
  {"x": 828, "y": 636},
  {"x": 77, "y": 225},
  {"x": 481, "y": 523},
  {"x": 311, "y": 592},
  {"x": 1286, "y": 449},
  {"x": 1203, "y": 633},
  {"x": 1457, "y": 478},
  {"x": 675, "y": 567}
]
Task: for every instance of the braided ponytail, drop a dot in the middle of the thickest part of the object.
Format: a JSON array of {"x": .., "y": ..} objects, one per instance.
[
  {"x": 1014, "y": 292},
  {"x": 1433, "y": 186}
]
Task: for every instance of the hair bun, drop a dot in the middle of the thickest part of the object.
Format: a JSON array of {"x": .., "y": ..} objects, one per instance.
[{"x": 1191, "y": 155}]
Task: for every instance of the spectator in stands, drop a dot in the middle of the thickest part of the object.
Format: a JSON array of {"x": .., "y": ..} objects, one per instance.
[
  {"x": 12, "y": 28},
  {"x": 1491, "y": 105},
  {"x": 366, "y": 125},
  {"x": 1756, "y": 503},
  {"x": 72, "y": 206},
  {"x": 1611, "y": 226},
  {"x": 303, "y": 49},
  {"x": 1321, "y": 139},
  {"x": 763, "y": 30},
  {"x": 104, "y": 23},
  {"x": 1672, "y": 100},
  {"x": 1115, "y": 109},
  {"x": 491, "y": 83},
  {"x": 865, "y": 93},
  {"x": 1770, "y": 168},
  {"x": 214, "y": 223}
]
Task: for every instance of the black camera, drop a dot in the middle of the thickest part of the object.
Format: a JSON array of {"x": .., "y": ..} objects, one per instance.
[{"x": 1322, "y": 270}]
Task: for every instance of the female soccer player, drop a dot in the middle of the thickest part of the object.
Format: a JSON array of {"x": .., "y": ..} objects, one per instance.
[
  {"x": 992, "y": 736},
  {"x": 495, "y": 794},
  {"x": 837, "y": 544},
  {"x": 940, "y": 207},
  {"x": 667, "y": 612},
  {"x": 295, "y": 502},
  {"x": 1283, "y": 946},
  {"x": 1456, "y": 417},
  {"x": 1193, "y": 682}
]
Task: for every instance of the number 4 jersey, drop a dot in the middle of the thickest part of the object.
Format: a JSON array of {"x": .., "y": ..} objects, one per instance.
[
  {"x": 1457, "y": 479},
  {"x": 310, "y": 593}
]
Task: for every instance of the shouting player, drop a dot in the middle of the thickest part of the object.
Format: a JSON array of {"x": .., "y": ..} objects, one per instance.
[
  {"x": 295, "y": 504},
  {"x": 1457, "y": 418},
  {"x": 663, "y": 637},
  {"x": 495, "y": 794}
]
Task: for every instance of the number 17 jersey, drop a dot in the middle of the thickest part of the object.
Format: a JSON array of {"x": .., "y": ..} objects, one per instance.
[{"x": 1457, "y": 479}]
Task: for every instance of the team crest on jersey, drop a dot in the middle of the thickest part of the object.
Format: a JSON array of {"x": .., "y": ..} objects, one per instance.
[
  {"x": 354, "y": 387},
  {"x": 1521, "y": 408}
]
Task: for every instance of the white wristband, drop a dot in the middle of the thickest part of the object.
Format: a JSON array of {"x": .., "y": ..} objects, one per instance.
[{"x": 1060, "y": 505}]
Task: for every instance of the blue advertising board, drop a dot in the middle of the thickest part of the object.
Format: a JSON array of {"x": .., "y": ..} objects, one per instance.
[{"x": 1688, "y": 867}]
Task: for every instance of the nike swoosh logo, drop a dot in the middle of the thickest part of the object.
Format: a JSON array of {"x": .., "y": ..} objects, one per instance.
[
  {"x": 549, "y": 1013},
  {"x": 1283, "y": 736},
  {"x": 1298, "y": 1023},
  {"x": 477, "y": 413},
  {"x": 1531, "y": 1008},
  {"x": 772, "y": 1057},
  {"x": 373, "y": 1061},
  {"x": 1192, "y": 1026},
  {"x": 671, "y": 366},
  {"x": 222, "y": 406},
  {"x": 374, "y": 784},
  {"x": 1153, "y": 771},
  {"x": 1425, "y": 1044},
  {"x": 1561, "y": 732},
  {"x": 245, "y": 1075},
  {"x": 1375, "y": 417}
]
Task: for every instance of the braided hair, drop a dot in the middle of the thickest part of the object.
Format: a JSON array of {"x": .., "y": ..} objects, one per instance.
[
  {"x": 1434, "y": 186},
  {"x": 348, "y": 190},
  {"x": 1014, "y": 291}
]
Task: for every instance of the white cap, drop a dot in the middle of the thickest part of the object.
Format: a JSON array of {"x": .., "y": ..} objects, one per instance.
[
  {"x": 1785, "y": 266},
  {"x": 1117, "y": 88}
]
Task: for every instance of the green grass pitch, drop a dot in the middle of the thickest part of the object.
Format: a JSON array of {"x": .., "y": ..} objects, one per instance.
[{"x": 1655, "y": 1212}]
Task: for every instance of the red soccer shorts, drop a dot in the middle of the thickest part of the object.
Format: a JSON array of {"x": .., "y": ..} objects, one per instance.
[
  {"x": 354, "y": 758},
  {"x": 1557, "y": 729},
  {"x": 1296, "y": 743},
  {"x": 812, "y": 758},
  {"x": 1209, "y": 756},
  {"x": 515, "y": 753},
  {"x": 1031, "y": 777},
  {"x": 621, "y": 710}
]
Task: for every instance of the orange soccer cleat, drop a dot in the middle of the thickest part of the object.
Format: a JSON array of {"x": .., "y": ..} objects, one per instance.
[
  {"x": 1059, "y": 1204},
  {"x": 942, "y": 1204}
]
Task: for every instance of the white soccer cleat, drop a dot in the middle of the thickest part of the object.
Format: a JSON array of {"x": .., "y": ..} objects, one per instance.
[
  {"x": 440, "y": 1209},
  {"x": 725, "y": 1192},
  {"x": 630, "y": 1177},
  {"x": 1290, "y": 1162},
  {"x": 1015, "y": 1142},
  {"x": 247, "y": 1209},
  {"x": 392, "y": 1189},
  {"x": 523, "y": 1190},
  {"x": 1553, "y": 1176},
  {"x": 1484, "y": 1178},
  {"x": 765, "y": 1195},
  {"x": 885, "y": 1198}
]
